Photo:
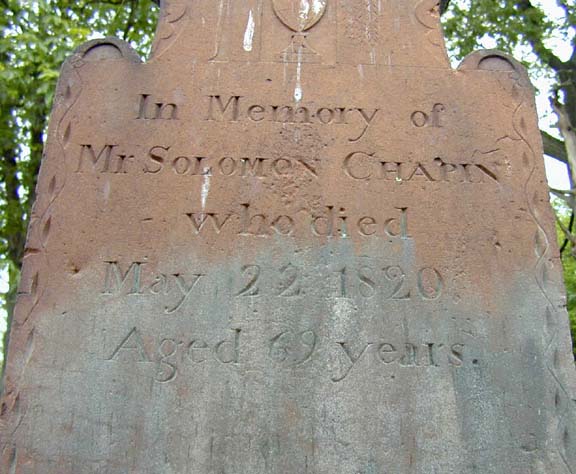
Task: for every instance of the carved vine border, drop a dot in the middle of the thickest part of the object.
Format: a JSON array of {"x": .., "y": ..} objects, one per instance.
[{"x": 562, "y": 398}]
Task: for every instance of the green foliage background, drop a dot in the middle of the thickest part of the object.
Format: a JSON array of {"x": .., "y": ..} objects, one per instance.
[
  {"x": 569, "y": 263},
  {"x": 36, "y": 37},
  {"x": 533, "y": 34}
]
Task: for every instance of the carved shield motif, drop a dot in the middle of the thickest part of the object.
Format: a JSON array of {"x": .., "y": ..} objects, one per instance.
[{"x": 299, "y": 15}]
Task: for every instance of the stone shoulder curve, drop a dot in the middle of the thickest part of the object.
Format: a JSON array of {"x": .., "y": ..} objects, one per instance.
[
  {"x": 495, "y": 61},
  {"x": 104, "y": 49}
]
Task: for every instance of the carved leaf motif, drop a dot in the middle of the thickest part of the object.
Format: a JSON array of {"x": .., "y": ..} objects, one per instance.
[
  {"x": 34, "y": 285},
  {"x": 67, "y": 133},
  {"x": 52, "y": 187},
  {"x": 29, "y": 346},
  {"x": 550, "y": 320},
  {"x": 556, "y": 359},
  {"x": 544, "y": 275},
  {"x": 46, "y": 231},
  {"x": 30, "y": 251},
  {"x": 525, "y": 160},
  {"x": 557, "y": 399},
  {"x": 540, "y": 244},
  {"x": 566, "y": 437},
  {"x": 13, "y": 458},
  {"x": 299, "y": 15}
]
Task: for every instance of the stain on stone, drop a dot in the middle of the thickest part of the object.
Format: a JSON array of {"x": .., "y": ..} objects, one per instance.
[{"x": 293, "y": 241}]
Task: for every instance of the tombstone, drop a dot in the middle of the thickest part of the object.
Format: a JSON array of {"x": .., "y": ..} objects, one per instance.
[{"x": 294, "y": 241}]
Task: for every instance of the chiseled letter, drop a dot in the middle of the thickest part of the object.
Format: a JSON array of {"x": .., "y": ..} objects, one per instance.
[
  {"x": 132, "y": 342},
  {"x": 352, "y": 359},
  {"x": 233, "y": 102},
  {"x": 116, "y": 279}
]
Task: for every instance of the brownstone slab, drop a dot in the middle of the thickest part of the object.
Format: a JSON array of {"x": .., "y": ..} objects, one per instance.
[{"x": 294, "y": 241}]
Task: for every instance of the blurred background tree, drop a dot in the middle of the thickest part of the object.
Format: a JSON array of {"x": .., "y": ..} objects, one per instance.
[
  {"x": 35, "y": 39},
  {"x": 542, "y": 34},
  {"x": 37, "y": 36}
]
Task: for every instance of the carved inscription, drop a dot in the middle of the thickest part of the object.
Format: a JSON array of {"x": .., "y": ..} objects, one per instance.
[
  {"x": 358, "y": 165},
  {"x": 170, "y": 356},
  {"x": 130, "y": 282},
  {"x": 286, "y": 282},
  {"x": 291, "y": 348},
  {"x": 331, "y": 221},
  {"x": 131, "y": 344},
  {"x": 105, "y": 159},
  {"x": 162, "y": 159},
  {"x": 365, "y": 280},
  {"x": 422, "y": 119},
  {"x": 406, "y": 354},
  {"x": 151, "y": 109},
  {"x": 236, "y": 109},
  {"x": 391, "y": 282},
  {"x": 366, "y": 166}
]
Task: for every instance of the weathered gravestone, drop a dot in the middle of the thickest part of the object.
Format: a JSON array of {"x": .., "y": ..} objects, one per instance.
[{"x": 295, "y": 241}]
